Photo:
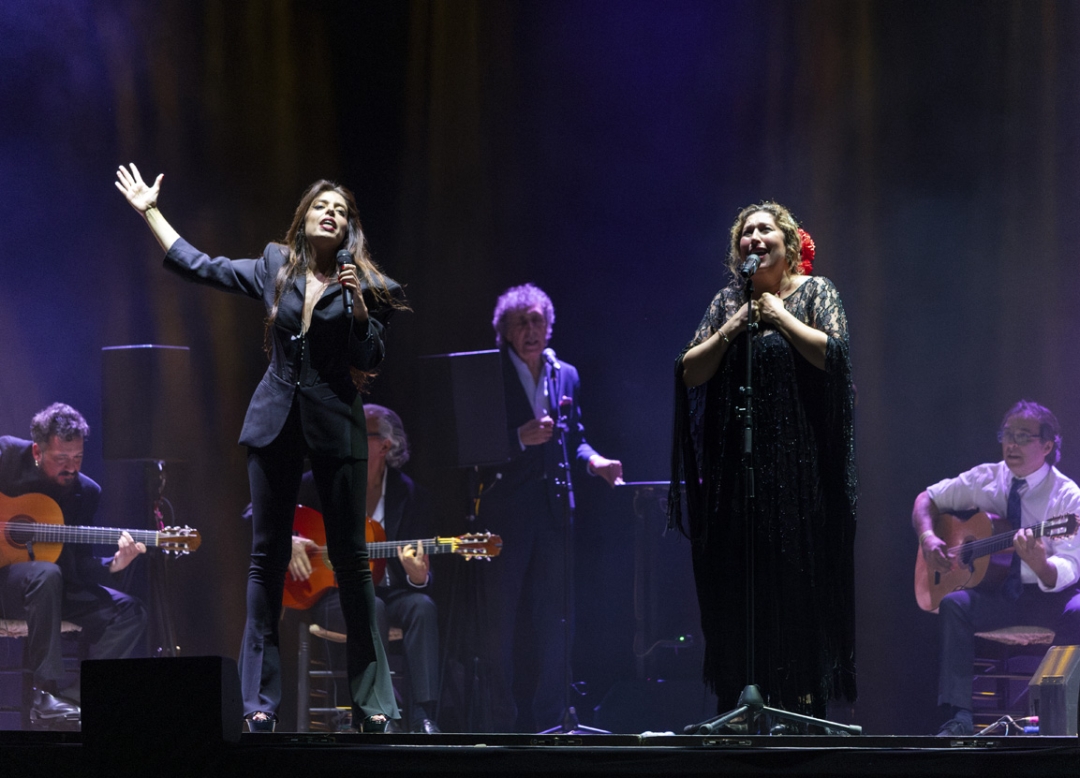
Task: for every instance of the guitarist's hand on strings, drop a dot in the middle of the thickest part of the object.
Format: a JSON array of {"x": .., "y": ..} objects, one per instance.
[
  {"x": 300, "y": 563},
  {"x": 936, "y": 554},
  {"x": 415, "y": 562},
  {"x": 127, "y": 551},
  {"x": 1032, "y": 551}
]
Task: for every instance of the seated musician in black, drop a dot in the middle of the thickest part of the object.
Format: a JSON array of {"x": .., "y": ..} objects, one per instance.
[
  {"x": 1041, "y": 588},
  {"x": 402, "y": 508},
  {"x": 74, "y": 587}
]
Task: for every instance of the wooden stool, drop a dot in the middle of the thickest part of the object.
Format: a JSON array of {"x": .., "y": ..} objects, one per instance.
[
  {"x": 313, "y": 709},
  {"x": 16, "y": 628},
  {"x": 1001, "y": 677}
]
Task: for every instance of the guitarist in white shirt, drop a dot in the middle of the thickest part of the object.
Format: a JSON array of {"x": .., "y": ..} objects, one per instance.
[
  {"x": 1045, "y": 593},
  {"x": 74, "y": 588}
]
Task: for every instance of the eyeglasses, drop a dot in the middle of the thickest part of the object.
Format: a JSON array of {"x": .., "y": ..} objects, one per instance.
[{"x": 1019, "y": 438}]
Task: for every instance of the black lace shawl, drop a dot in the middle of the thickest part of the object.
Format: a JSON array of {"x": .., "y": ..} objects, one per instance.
[{"x": 803, "y": 514}]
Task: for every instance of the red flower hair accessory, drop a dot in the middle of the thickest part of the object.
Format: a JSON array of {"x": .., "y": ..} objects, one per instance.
[{"x": 806, "y": 252}]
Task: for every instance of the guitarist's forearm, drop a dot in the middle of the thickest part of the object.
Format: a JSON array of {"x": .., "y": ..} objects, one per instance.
[
  {"x": 1047, "y": 573},
  {"x": 923, "y": 515}
]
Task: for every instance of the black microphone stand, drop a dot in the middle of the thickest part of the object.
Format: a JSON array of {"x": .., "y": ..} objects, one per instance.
[
  {"x": 158, "y": 564},
  {"x": 751, "y": 704},
  {"x": 564, "y": 487}
]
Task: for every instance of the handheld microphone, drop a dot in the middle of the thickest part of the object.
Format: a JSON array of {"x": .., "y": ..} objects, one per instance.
[
  {"x": 343, "y": 257},
  {"x": 750, "y": 266},
  {"x": 549, "y": 356}
]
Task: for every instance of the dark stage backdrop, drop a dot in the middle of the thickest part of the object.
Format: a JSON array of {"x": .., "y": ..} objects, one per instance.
[{"x": 600, "y": 150}]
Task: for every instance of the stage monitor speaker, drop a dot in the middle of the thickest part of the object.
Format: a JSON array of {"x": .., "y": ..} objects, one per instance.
[
  {"x": 1054, "y": 691},
  {"x": 157, "y": 714},
  {"x": 466, "y": 409},
  {"x": 145, "y": 396}
]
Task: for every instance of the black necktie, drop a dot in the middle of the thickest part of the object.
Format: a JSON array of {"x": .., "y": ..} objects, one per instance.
[{"x": 1013, "y": 585}]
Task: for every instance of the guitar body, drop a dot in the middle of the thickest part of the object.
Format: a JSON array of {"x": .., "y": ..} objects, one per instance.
[
  {"x": 308, "y": 523},
  {"x": 969, "y": 571},
  {"x": 375, "y": 533},
  {"x": 29, "y": 509},
  {"x": 301, "y": 595}
]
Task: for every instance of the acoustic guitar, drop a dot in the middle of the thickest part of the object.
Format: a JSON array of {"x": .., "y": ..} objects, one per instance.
[
  {"x": 308, "y": 522},
  {"x": 33, "y": 523},
  {"x": 982, "y": 551}
]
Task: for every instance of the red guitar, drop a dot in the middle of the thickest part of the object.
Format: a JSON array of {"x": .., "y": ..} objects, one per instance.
[{"x": 307, "y": 522}]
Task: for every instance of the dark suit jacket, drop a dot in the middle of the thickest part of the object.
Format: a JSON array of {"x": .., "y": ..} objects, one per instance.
[
  {"x": 313, "y": 369},
  {"x": 536, "y": 463},
  {"x": 406, "y": 515}
]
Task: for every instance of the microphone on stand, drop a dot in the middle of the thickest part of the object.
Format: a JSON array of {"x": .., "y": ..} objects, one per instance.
[
  {"x": 750, "y": 266},
  {"x": 551, "y": 359},
  {"x": 343, "y": 258}
]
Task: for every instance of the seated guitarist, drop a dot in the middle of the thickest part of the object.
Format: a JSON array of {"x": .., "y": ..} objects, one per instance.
[
  {"x": 75, "y": 588},
  {"x": 1041, "y": 588},
  {"x": 402, "y": 508}
]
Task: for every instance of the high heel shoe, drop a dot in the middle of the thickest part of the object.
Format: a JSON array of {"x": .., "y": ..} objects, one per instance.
[
  {"x": 375, "y": 723},
  {"x": 261, "y": 721}
]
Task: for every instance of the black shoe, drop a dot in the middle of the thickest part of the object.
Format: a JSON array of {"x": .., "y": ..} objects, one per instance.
[
  {"x": 957, "y": 727},
  {"x": 261, "y": 721},
  {"x": 48, "y": 711},
  {"x": 375, "y": 723},
  {"x": 428, "y": 727}
]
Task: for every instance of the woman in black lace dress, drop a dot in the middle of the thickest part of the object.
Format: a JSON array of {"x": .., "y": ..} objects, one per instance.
[{"x": 803, "y": 510}]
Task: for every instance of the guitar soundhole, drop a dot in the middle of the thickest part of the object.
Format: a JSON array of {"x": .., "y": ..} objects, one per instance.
[
  {"x": 19, "y": 536},
  {"x": 965, "y": 554}
]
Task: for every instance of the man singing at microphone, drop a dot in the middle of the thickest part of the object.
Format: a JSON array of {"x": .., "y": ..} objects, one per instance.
[{"x": 525, "y": 501}]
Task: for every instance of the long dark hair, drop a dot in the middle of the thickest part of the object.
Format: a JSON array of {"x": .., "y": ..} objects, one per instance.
[{"x": 302, "y": 255}]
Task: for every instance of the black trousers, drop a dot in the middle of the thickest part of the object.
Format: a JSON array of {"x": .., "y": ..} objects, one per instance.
[
  {"x": 113, "y": 622},
  {"x": 274, "y": 473},
  {"x": 525, "y": 592}
]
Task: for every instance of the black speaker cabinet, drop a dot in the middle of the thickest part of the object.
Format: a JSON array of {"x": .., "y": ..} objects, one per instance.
[
  {"x": 1054, "y": 691},
  {"x": 145, "y": 399},
  {"x": 466, "y": 409},
  {"x": 157, "y": 713}
]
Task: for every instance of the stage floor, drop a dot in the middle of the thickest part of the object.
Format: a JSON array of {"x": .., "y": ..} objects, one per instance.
[{"x": 301, "y": 754}]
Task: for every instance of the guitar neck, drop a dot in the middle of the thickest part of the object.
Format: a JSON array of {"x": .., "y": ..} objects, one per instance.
[
  {"x": 61, "y": 533},
  {"x": 387, "y": 549},
  {"x": 1002, "y": 541}
]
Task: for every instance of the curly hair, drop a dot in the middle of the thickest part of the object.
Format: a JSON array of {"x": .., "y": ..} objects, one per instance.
[
  {"x": 787, "y": 224},
  {"x": 59, "y": 420},
  {"x": 515, "y": 298}
]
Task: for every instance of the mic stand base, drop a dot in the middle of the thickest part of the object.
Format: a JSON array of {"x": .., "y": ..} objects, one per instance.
[
  {"x": 571, "y": 726},
  {"x": 752, "y": 707}
]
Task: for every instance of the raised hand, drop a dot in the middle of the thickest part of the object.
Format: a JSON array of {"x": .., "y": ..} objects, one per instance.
[{"x": 132, "y": 186}]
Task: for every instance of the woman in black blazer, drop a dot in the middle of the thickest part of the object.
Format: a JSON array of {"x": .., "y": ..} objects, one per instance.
[{"x": 307, "y": 404}]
